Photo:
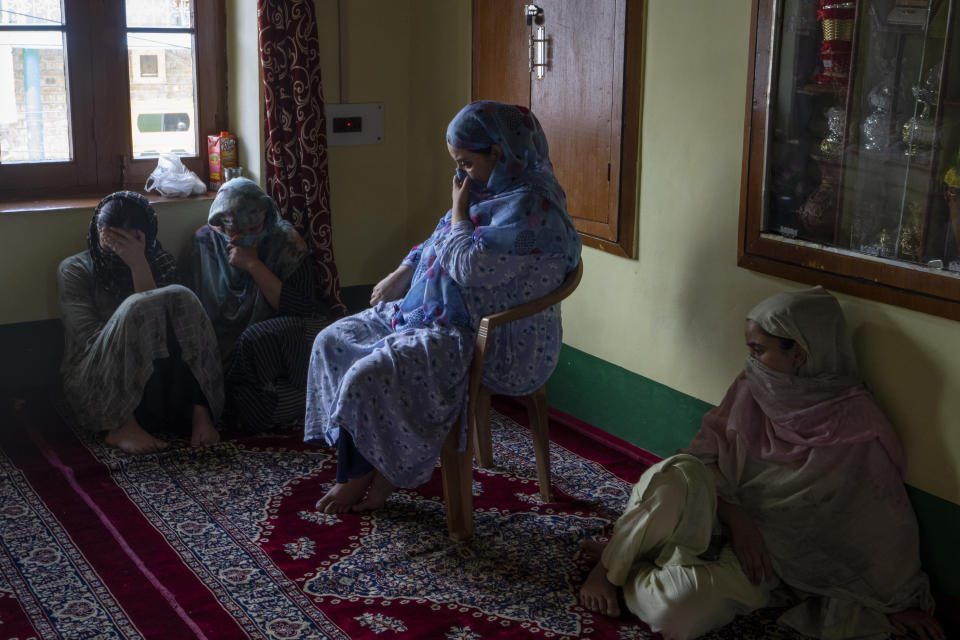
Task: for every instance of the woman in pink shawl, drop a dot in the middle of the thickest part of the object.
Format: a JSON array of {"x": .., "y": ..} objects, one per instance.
[{"x": 795, "y": 480}]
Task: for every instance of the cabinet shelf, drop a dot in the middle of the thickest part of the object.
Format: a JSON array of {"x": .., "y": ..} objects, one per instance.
[
  {"x": 904, "y": 30},
  {"x": 891, "y": 158},
  {"x": 826, "y": 89}
]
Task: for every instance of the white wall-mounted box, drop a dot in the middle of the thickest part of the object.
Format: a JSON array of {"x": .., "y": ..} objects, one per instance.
[{"x": 349, "y": 124}]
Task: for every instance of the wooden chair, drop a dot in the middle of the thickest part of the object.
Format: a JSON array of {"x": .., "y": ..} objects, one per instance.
[{"x": 457, "y": 466}]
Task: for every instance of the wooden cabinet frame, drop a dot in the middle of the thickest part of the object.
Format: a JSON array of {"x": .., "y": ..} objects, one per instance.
[{"x": 892, "y": 282}]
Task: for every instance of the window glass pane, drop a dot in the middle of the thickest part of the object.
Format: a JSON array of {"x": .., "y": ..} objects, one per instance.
[
  {"x": 150, "y": 122},
  {"x": 864, "y": 131},
  {"x": 159, "y": 13},
  {"x": 176, "y": 122},
  {"x": 30, "y": 12},
  {"x": 155, "y": 122},
  {"x": 162, "y": 98},
  {"x": 34, "y": 112},
  {"x": 149, "y": 67}
]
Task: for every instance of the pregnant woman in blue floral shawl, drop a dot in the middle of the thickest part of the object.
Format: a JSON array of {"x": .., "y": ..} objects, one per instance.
[{"x": 387, "y": 384}]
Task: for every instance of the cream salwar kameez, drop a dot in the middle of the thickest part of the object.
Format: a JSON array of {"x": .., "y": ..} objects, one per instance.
[{"x": 655, "y": 554}]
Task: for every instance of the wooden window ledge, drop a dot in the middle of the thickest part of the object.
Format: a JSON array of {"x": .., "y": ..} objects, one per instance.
[{"x": 84, "y": 202}]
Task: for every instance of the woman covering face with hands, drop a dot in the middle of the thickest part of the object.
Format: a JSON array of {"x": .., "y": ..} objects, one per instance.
[
  {"x": 256, "y": 279},
  {"x": 140, "y": 355}
]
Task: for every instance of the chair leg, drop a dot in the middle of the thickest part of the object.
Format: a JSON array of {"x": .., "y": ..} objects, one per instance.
[
  {"x": 456, "y": 469},
  {"x": 540, "y": 428},
  {"x": 481, "y": 429}
]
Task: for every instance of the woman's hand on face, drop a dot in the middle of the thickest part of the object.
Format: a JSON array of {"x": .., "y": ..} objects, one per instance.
[
  {"x": 748, "y": 545},
  {"x": 461, "y": 198},
  {"x": 245, "y": 257},
  {"x": 393, "y": 286},
  {"x": 915, "y": 623},
  {"x": 127, "y": 244}
]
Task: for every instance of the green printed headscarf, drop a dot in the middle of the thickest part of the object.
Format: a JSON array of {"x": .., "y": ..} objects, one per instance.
[{"x": 230, "y": 295}]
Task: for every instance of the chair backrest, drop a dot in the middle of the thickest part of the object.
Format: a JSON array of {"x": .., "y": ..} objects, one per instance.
[
  {"x": 487, "y": 323},
  {"x": 566, "y": 287}
]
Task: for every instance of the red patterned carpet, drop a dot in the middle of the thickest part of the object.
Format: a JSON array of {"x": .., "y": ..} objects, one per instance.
[{"x": 225, "y": 543}]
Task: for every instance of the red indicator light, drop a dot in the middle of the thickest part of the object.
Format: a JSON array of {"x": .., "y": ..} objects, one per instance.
[{"x": 341, "y": 125}]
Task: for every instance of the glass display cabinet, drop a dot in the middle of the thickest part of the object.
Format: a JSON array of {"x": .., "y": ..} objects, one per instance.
[{"x": 852, "y": 150}]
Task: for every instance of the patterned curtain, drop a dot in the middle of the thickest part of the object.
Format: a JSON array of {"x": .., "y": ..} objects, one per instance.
[{"x": 296, "y": 130}]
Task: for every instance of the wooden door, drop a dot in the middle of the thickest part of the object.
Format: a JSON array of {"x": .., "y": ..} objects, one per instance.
[
  {"x": 500, "y": 52},
  {"x": 580, "y": 100}
]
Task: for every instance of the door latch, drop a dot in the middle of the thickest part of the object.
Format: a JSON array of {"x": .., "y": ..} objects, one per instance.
[{"x": 538, "y": 43}]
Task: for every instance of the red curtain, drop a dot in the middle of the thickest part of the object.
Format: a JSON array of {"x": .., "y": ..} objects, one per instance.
[{"x": 296, "y": 130}]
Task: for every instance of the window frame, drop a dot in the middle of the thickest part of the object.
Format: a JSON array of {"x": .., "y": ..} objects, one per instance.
[
  {"x": 98, "y": 89},
  {"x": 886, "y": 281}
]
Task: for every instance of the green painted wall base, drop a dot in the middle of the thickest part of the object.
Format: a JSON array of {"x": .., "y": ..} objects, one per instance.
[
  {"x": 939, "y": 536},
  {"x": 660, "y": 419},
  {"x": 31, "y": 354},
  {"x": 643, "y": 412}
]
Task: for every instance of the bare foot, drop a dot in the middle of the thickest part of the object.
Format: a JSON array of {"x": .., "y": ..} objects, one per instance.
[
  {"x": 131, "y": 438},
  {"x": 592, "y": 549},
  {"x": 599, "y": 594},
  {"x": 204, "y": 433},
  {"x": 380, "y": 490},
  {"x": 344, "y": 495}
]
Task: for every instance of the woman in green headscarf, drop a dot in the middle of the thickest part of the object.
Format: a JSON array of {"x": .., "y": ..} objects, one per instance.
[{"x": 255, "y": 277}]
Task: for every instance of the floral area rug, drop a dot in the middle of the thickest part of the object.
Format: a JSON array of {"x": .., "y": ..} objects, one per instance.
[{"x": 225, "y": 542}]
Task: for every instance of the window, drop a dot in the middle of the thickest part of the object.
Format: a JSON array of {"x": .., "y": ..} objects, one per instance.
[
  {"x": 852, "y": 172},
  {"x": 91, "y": 92},
  {"x": 148, "y": 66}
]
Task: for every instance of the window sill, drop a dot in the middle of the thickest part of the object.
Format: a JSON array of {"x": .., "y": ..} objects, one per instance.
[{"x": 60, "y": 203}]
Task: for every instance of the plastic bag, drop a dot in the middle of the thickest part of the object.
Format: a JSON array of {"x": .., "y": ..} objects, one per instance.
[{"x": 172, "y": 179}]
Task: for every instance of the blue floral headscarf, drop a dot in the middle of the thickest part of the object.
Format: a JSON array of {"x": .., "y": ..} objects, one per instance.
[
  {"x": 520, "y": 210},
  {"x": 525, "y": 162}
]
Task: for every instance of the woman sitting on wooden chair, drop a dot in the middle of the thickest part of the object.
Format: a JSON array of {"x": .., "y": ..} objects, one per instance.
[{"x": 387, "y": 384}]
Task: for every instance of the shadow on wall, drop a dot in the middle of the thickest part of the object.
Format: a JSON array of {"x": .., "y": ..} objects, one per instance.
[
  {"x": 714, "y": 308},
  {"x": 899, "y": 351},
  {"x": 937, "y": 518}
]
